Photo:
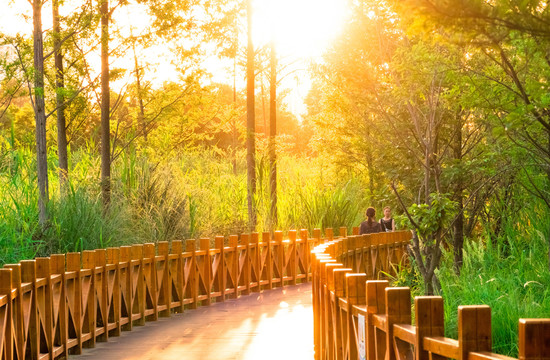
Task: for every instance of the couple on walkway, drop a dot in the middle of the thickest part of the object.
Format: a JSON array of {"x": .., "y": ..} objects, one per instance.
[{"x": 370, "y": 225}]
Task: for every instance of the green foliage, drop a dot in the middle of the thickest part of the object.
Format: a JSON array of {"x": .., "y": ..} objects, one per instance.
[
  {"x": 194, "y": 194},
  {"x": 509, "y": 274},
  {"x": 431, "y": 217}
]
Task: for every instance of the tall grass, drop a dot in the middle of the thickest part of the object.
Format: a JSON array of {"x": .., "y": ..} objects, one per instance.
[
  {"x": 508, "y": 273},
  {"x": 192, "y": 195}
]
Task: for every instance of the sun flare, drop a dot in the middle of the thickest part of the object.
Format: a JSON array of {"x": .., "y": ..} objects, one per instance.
[{"x": 300, "y": 28}]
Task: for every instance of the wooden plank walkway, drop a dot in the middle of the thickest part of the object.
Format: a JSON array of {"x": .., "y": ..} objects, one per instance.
[{"x": 274, "y": 324}]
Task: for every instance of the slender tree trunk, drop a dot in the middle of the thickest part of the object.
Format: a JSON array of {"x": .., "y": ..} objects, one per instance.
[
  {"x": 234, "y": 123},
  {"x": 60, "y": 100},
  {"x": 548, "y": 190},
  {"x": 427, "y": 170},
  {"x": 141, "y": 114},
  {"x": 251, "y": 123},
  {"x": 264, "y": 116},
  {"x": 105, "y": 107},
  {"x": 272, "y": 135},
  {"x": 234, "y": 145},
  {"x": 40, "y": 114},
  {"x": 458, "y": 233},
  {"x": 370, "y": 165}
]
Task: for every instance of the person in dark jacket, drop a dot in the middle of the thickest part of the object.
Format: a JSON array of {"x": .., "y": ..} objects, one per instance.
[
  {"x": 387, "y": 222},
  {"x": 370, "y": 225}
]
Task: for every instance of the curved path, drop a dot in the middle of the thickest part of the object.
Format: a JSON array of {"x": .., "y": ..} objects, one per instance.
[{"x": 274, "y": 324}]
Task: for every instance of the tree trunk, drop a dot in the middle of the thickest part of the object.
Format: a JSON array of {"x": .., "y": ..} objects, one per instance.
[
  {"x": 264, "y": 116},
  {"x": 272, "y": 135},
  {"x": 234, "y": 123},
  {"x": 548, "y": 190},
  {"x": 251, "y": 123},
  {"x": 370, "y": 164},
  {"x": 105, "y": 107},
  {"x": 40, "y": 114},
  {"x": 141, "y": 114},
  {"x": 60, "y": 100},
  {"x": 458, "y": 233}
]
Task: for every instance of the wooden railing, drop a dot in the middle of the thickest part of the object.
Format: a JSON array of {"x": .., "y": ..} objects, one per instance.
[
  {"x": 358, "y": 316},
  {"x": 52, "y": 307}
]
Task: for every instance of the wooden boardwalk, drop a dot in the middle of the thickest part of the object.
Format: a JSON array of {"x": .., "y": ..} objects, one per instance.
[{"x": 274, "y": 324}]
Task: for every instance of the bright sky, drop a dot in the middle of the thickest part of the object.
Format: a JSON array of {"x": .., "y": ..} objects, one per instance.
[{"x": 302, "y": 31}]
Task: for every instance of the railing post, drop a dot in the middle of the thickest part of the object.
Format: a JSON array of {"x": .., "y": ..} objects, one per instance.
[
  {"x": 330, "y": 310},
  {"x": 355, "y": 230},
  {"x": 100, "y": 262},
  {"x": 5, "y": 289},
  {"x": 293, "y": 264},
  {"x": 322, "y": 301},
  {"x": 164, "y": 296},
  {"x": 255, "y": 259},
  {"x": 474, "y": 329},
  {"x": 127, "y": 290},
  {"x": 137, "y": 254},
  {"x": 376, "y": 304},
  {"x": 207, "y": 269},
  {"x": 113, "y": 280},
  {"x": 88, "y": 263},
  {"x": 222, "y": 271},
  {"x": 329, "y": 234},
  {"x": 306, "y": 250},
  {"x": 534, "y": 339},
  {"x": 58, "y": 268},
  {"x": 234, "y": 244},
  {"x": 177, "y": 272},
  {"x": 398, "y": 311},
  {"x": 429, "y": 318},
  {"x": 266, "y": 239},
  {"x": 192, "y": 281},
  {"x": 16, "y": 313},
  {"x": 315, "y": 264},
  {"x": 73, "y": 265},
  {"x": 339, "y": 283},
  {"x": 245, "y": 240},
  {"x": 150, "y": 276},
  {"x": 355, "y": 293},
  {"x": 280, "y": 256},
  {"x": 343, "y": 232},
  {"x": 43, "y": 271},
  {"x": 317, "y": 236},
  {"x": 28, "y": 275}
]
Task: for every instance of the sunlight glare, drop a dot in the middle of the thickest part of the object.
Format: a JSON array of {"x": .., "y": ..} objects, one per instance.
[{"x": 301, "y": 28}]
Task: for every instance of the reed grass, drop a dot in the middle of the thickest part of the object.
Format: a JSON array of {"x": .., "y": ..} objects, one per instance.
[{"x": 509, "y": 273}]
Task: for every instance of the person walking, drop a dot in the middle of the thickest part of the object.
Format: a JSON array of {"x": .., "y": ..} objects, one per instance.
[
  {"x": 370, "y": 225},
  {"x": 387, "y": 223}
]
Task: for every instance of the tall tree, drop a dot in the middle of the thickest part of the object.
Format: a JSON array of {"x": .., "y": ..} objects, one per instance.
[
  {"x": 138, "y": 73},
  {"x": 105, "y": 106},
  {"x": 272, "y": 135},
  {"x": 40, "y": 113},
  {"x": 60, "y": 99},
  {"x": 251, "y": 123}
]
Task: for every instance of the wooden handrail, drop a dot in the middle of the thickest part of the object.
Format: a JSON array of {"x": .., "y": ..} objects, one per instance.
[
  {"x": 357, "y": 315},
  {"x": 56, "y": 306}
]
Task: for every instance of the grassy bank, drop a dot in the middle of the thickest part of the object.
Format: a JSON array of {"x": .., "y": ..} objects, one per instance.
[{"x": 192, "y": 195}]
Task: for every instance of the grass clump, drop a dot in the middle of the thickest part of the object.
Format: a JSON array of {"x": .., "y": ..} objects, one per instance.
[{"x": 509, "y": 273}]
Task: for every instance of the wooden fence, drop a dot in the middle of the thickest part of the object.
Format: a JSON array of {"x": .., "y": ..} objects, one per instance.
[
  {"x": 52, "y": 307},
  {"x": 358, "y": 316}
]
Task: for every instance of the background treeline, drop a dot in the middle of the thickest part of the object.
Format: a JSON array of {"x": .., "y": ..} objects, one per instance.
[{"x": 437, "y": 108}]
